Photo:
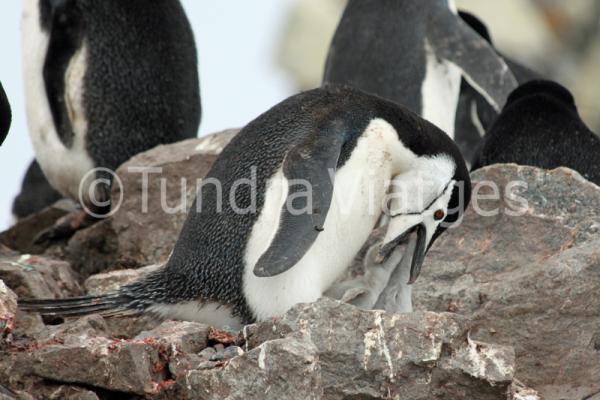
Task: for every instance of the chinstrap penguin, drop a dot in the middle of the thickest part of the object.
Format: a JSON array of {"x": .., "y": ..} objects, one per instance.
[
  {"x": 415, "y": 53},
  {"x": 474, "y": 114},
  {"x": 5, "y": 115},
  {"x": 303, "y": 186},
  {"x": 104, "y": 81},
  {"x": 540, "y": 127}
]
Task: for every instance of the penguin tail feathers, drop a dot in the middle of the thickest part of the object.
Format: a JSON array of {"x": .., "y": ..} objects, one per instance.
[{"x": 111, "y": 304}]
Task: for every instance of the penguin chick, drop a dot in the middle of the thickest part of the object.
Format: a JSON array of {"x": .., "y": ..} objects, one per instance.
[
  {"x": 288, "y": 204},
  {"x": 541, "y": 127},
  {"x": 104, "y": 81}
]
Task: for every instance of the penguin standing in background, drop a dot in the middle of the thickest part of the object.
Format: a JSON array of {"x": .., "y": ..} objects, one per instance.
[
  {"x": 474, "y": 115},
  {"x": 5, "y": 115},
  {"x": 300, "y": 190},
  {"x": 415, "y": 53},
  {"x": 104, "y": 81},
  {"x": 540, "y": 127}
]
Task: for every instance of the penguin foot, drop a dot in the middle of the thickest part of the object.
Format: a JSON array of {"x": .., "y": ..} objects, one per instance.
[{"x": 64, "y": 228}]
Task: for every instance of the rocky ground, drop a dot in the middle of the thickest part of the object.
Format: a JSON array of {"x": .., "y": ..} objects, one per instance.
[{"x": 505, "y": 304}]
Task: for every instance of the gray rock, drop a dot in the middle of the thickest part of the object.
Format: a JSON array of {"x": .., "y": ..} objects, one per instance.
[
  {"x": 227, "y": 353},
  {"x": 180, "y": 336},
  {"x": 74, "y": 330},
  {"x": 39, "y": 277},
  {"x": 136, "y": 367},
  {"x": 332, "y": 350},
  {"x": 8, "y": 312},
  {"x": 279, "y": 369},
  {"x": 531, "y": 281},
  {"x": 207, "y": 353}
]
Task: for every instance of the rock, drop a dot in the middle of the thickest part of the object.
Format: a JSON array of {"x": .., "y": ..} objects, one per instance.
[
  {"x": 227, "y": 353},
  {"x": 39, "y": 277},
  {"x": 530, "y": 281},
  {"x": 20, "y": 236},
  {"x": 8, "y": 312},
  {"x": 124, "y": 366},
  {"x": 67, "y": 392},
  {"x": 150, "y": 204},
  {"x": 279, "y": 369},
  {"x": 111, "y": 281},
  {"x": 332, "y": 350},
  {"x": 207, "y": 353},
  {"x": 186, "y": 337},
  {"x": 74, "y": 330}
]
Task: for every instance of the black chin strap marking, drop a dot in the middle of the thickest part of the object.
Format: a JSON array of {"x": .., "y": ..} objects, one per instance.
[{"x": 426, "y": 208}]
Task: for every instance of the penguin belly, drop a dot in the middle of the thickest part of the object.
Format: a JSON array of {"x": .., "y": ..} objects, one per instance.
[
  {"x": 440, "y": 92},
  {"x": 65, "y": 167},
  {"x": 360, "y": 188}
]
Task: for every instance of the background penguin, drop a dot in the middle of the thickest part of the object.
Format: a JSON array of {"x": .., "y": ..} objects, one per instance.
[
  {"x": 540, "y": 127},
  {"x": 415, "y": 54},
  {"x": 474, "y": 114},
  {"x": 36, "y": 193},
  {"x": 5, "y": 115},
  {"x": 303, "y": 187},
  {"x": 106, "y": 80}
]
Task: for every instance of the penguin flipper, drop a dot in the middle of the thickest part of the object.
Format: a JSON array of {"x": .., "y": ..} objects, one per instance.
[
  {"x": 5, "y": 115},
  {"x": 111, "y": 304},
  {"x": 310, "y": 170},
  {"x": 453, "y": 40}
]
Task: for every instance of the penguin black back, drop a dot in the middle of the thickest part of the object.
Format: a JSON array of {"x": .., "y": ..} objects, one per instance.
[
  {"x": 367, "y": 31},
  {"x": 140, "y": 87},
  {"x": 161, "y": 66},
  {"x": 5, "y": 115},
  {"x": 540, "y": 127}
]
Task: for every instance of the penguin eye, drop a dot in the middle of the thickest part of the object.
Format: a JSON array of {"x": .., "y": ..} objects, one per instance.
[{"x": 439, "y": 215}]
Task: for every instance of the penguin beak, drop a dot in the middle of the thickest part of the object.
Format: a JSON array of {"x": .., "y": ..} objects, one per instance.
[
  {"x": 416, "y": 240},
  {"x": 419, "y": 254}
]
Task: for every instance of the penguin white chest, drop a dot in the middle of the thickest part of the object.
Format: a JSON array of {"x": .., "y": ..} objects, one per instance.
[
  {"x": 440, "y": 91},
  {"x": 360, "y": 188},
  {"x": 63, "y": 166}
]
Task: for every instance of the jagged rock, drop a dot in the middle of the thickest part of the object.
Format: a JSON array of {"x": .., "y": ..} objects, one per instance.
[
  {"x": 123, "y": 366},
  {"x": 528, "y": 281},
  {"x": 8, "y": 312},
  {"x": 39, "y": 277},
  {"x": 279, "y": 369},
  {"x": 335, "y": 351},
  {"x": 186, "y": 337}
]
